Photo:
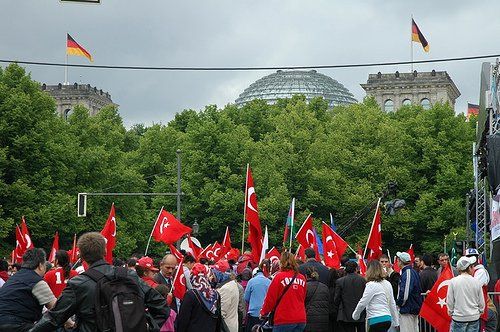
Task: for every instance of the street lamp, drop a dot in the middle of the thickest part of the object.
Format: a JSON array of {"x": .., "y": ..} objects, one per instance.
[{"x": 196, "y": 228}]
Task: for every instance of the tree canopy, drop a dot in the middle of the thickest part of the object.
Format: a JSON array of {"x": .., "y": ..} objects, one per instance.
[{"x": 331, "y": 160}]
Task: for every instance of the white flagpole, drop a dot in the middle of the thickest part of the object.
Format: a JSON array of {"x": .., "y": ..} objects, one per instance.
[
  {"x": 411, "y": 43},
  {"x": 389, "y": 254},
  {"x": 265, "y": 246},
  {"x": 293, "y": 220},
  {"x": 151, "y": 235},
  {"x": 371, "y": 229},
  {"x": 244, "y": 214}
]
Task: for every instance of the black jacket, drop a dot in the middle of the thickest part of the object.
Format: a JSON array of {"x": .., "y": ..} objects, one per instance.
[
  {"x": 317, "y": 307},
  {"x": 193, "y": 316},
  {"x": 78, "y": 299},
  {"x": 428, "y": 277},
  {"x": 324, "y": 273},
  {"x": 348, "y": 292},
  {"x": 393, "y": 278}
]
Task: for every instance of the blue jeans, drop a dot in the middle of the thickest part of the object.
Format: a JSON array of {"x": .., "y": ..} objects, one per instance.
[
  {"x": 464, "y": 326},
  {"x": 289, "y": 328}
]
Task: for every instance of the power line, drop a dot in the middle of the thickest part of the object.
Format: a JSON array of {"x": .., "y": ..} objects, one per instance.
[{"x": 354, "y": 65}]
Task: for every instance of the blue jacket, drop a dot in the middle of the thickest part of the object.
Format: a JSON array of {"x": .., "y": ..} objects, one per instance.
[
  {"x": 409, "y": 295},
  {"x": 255, "y": 293}
]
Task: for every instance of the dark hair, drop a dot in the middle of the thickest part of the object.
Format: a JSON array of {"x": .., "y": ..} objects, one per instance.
[
  {"x": 312, "y": 273},
  {"x": 189, "y": 259},
  {"x": 288, "y": 262},
  {"x": 131, "y": 262},
  {"x": 384, "y": 256},
  {"x": 203, "y": 261},
  {"x": 442, "y": 255},
  {"x": 427, "y": 259},
  {"x": 92, "y": 247},
  {"x": 62, "y": 258},
  {"x": 351, "y": 266},
  {"x": 4, "y": 265},
  {"x": 33, "y": 258},
  {"x": 310, "y": 253},
  {"x": 17, "y": 266},
  {"x": 117, "y": 262},
  {"x": 332, "y": 278}
]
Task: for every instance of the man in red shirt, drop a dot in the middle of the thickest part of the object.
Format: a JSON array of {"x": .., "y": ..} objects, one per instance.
[
  {"x": 57, "y": 278},
  {"x": 146, "y": 271}
]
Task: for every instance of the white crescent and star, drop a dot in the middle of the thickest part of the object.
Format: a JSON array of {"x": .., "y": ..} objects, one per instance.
[
  {"x": 28, "y": 240},
  {"x": 442, "y": 301},
  {"x": 183, "y": 279},
  {"x": 273, "y": 258},
  {"x": 216, "y": 252},
  {"x": 311, "y": 243},
  {"x": 164, "y": 224},
  {"x": 113, "y": 220},
  {"x": 251, "y": 191}
]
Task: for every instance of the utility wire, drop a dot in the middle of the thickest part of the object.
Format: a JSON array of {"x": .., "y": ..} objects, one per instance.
[{"x": 354, "y": 65}]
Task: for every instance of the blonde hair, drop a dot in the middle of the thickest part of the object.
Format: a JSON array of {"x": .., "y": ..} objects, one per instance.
[
  {"x": 288, "y": 262},
  {"x": 374, "y": 271}
]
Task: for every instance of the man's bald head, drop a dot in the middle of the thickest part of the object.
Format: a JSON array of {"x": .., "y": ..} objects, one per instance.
[{"x": 167, "y": 265}]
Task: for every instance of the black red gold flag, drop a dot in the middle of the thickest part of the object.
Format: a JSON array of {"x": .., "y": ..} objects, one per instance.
[
  {"x": 73, "y": 48},
  {"x": 417, "y": 36}
]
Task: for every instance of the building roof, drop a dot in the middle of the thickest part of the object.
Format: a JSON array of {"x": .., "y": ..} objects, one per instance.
[{"x": 285, "y": 84}]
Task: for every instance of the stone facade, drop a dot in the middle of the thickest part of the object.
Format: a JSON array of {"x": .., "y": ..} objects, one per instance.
[
  {"x": 391, "y": 91},
  {"x": 68, "y": 96}
]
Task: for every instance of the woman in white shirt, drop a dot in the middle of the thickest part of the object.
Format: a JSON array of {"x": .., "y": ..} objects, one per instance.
[{"x": 377, "y": 300}]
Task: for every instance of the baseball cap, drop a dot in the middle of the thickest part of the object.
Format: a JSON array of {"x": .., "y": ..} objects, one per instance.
[
  {"x": 403, "y": 256},
  {"x": 471, "y": 252},
  {"x": 464, "y": 262},
  {"x": 146, "y": 263}
]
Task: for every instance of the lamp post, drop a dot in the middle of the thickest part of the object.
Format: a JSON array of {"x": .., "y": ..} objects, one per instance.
[{"x": 196, "y": 228}]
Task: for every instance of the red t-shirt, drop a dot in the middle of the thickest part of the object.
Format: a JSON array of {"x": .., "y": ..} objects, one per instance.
[
  {"x": 56, "y": 281},
  {"x": 291, "y": 309}
]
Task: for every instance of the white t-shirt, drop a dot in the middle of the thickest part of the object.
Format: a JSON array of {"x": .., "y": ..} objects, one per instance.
[{"x": 1, "y": 282}]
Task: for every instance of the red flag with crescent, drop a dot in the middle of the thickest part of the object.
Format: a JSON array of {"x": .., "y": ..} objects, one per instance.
[
  {"x": 305, "y": 236},
  {"x": 28, "y": 244},
  {"x": 175, "y": 252},
  {"x": 300, "y": 254},
  {"x": 361, "y": 262},
  {"x": 55, "y": 247},
  {"x": 179, "y": 283},
  {"x": 434, "y": 308},
  {"x": 20, "y": 246},
  {"x": 374, "y": 243},
  {"x": 168, "y": 229},
  {"x": 226, "y": 242},
  {"x": 109, "y": 233},
  {"x": 333, "y": 247},
  {"x": 273, "y": 255},
  {"x": 411, "y": 252},
  {"x": 252, "y": 216},
  {"x": 74, "y": 252},
  {"x": 216, "y": 252},
  {"x": 193, "y": 248},
  {"x": 203, "y": 253}
]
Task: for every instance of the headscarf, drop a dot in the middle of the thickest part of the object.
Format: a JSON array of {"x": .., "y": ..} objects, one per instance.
[
  {"x": 200, "y": 283},
  {"x": 220, "y": 277}
]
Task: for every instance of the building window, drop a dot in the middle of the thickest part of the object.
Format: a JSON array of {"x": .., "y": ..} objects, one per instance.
[
  {"x": 67, "y": 113},
  {"x": 426, "y": 103},
  {"x": 389, "y": 106},
  {"x": 406, "y": 102}
]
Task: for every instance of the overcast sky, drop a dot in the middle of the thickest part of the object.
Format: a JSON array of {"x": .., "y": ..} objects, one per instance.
[{"x": 240, "y": 33}]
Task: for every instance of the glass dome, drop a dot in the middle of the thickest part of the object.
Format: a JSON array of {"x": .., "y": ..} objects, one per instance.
[{"x": 285, "y": 84}]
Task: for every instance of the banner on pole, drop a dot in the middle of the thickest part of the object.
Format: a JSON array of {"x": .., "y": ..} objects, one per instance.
[{"x": 495, "y": 217}]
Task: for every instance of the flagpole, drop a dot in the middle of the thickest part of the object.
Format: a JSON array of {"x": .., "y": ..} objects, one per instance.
[
  {"x": 151, "y": 235},
  {"x": 291, "y": 226},
  {"x": 411, "y": 43},
  {"x": 244, "y": 214},
  {"x": 389, "y": 255},
  {"x": 371, "y": 229}
]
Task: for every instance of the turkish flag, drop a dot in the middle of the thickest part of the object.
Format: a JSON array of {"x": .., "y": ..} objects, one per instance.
[
  {"x": 26, "y": 235},
  {"x": 109, "y": 233},
  {"x": 434, "y": 308},
  {"x": 203, "y": 253},
  {"x": 374, "y": 243},
  {"x": 74, "y": 252},
  {"x": 333, "y": 247},
  {"x": 168, "y": 229},
  {"x": 273, "y": 255},
  {"x": 179, "y": 283},
  {"x": 395, "y": 265},
  {"x": 361, "y": 263},
  {"x": 20, "y": 246},
  {"x": 55, "y": 247},
  {"x": 13, "y": 257},
  {"x": 193, "y": 248},
  {"x": 252, "y": 216},
  {"x": 226, "y": 243},
  {"x": 305, "y": 236},
  {"x": 216, "y": 252},
  {"x": 411, "y": 252},
  {"x": 175, "y": 252},
  {"x": 300, "y": 254}
]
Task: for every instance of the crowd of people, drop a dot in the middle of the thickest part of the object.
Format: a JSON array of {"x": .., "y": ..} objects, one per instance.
[{"x": 280, "y": 295}]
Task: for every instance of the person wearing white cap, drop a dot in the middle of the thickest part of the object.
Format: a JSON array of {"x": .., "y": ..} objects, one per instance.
[
  {"x": 465, "y": 299},
  {"x": 409, "y": 298}
]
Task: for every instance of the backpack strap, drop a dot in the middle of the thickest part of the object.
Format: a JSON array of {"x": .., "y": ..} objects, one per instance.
[
  {"x": 121, "y": 272},
  {"x": 283, "y": 293},
  {"x": 94, "y": 274}
]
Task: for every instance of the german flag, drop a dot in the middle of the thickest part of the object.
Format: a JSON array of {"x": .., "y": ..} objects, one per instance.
[
  {"x": 417, "y": 36},
  {"x": 73, "y": 48}
]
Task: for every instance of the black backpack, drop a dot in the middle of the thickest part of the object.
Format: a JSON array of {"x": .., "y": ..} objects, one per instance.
[{"x": 118, "y": 302}]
